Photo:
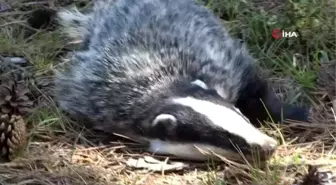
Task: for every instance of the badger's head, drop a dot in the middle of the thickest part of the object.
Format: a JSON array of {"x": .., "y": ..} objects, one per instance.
[{"x": 196, "y": 118}]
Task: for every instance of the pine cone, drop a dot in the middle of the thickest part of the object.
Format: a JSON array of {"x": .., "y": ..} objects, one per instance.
[
  {"x": 13, "y": 135},
  {"x": 14, "y": 98}
]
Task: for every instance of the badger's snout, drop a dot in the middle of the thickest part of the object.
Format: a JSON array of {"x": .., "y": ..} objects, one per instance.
[
  {"x": 269, "y": 143},
  {"x": 268, "y": 146},
  {"x": 265, "y": 144}
]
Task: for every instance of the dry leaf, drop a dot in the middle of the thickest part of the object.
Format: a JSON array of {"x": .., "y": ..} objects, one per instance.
[{"x": 152, "y": 164}]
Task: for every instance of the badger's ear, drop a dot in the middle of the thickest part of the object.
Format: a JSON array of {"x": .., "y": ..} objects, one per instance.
[
  {"x": 199, "y": 83},
  {"x": 164, "y": 119},
  {"x": 163, "y": 126}
]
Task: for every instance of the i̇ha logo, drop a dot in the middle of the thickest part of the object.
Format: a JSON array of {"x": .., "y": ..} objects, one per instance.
[{"x": 277, "y": 34}]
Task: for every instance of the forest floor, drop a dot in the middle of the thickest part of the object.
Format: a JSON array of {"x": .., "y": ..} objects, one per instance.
[{"x": 301, "y": 70}]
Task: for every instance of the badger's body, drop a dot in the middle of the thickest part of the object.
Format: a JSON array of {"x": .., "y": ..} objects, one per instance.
[{"x": 166, "y": 71}]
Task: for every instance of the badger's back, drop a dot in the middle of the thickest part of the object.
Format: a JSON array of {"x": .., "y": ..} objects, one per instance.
[{"x": 141, "y": 35}]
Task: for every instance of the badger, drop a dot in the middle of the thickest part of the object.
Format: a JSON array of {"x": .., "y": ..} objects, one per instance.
[{"x": 167, "y": 71}]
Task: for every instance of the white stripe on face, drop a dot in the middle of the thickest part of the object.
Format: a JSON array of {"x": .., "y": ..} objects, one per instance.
[{"x": 229, "y": 120}]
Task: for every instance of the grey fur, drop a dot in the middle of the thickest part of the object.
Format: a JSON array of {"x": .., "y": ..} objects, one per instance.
[{"x": 196, "y": 31}]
